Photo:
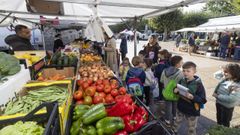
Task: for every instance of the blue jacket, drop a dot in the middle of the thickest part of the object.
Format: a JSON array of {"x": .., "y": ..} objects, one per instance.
[
  {"x": 191, "y": 41},
  {"x": 123, "y": 46},
  {"x": 225, "y": 40},
  {"x": 136, "y": 72},
  {"x": 197, "y": 89},
  {"x": 160, "y": 67}
]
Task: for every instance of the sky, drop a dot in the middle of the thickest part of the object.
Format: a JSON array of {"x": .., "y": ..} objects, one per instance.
[{"x": 195, "y": 7}]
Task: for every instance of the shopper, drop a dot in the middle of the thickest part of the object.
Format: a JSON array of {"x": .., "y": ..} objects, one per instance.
[
  {"x": 191, "y": 44},
  {"x": 171, "y": 73},
  {"x": 58, "y": 43},
  {"x": 110, "y": 52},
  {"x": 190, "y": 103},
  {"x": 178, "y": 39},
  {"x": 21, "y": 40},
  {"x": 224, "y": 42},
  {"x": 123, "y": 69},
  {"x": 152, "y": 48},
  {"x": 150, "y": 81},
  {"x": 142, "y": 54},
  {"x": 227, "y": 94},
  {"x": 164, "y": 62},
  {"x": 123, "y": 46},
  {"x": 136, "y": 77}
]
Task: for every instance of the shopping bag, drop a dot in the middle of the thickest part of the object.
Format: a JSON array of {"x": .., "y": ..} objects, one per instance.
[{"x": 168, "y": 92}]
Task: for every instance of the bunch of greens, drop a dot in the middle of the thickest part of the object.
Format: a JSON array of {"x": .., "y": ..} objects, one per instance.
[
  {"x": 221, "y": 130},
  {"x": 20, "y": 128}
]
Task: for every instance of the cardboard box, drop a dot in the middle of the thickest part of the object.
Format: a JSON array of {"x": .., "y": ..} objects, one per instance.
[{"x": 68, "y": 72}]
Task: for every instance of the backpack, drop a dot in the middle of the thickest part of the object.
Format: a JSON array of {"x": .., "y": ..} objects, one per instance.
[
  {"x": 135, "y": 86},
  {"x": 168, "y": 92}
]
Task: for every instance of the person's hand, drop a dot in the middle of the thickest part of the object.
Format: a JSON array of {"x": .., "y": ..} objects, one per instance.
[
  {"x": 215, "y": 95},
  {"x": 176, "y": 90},
  {"x": 189, "y": 96}
]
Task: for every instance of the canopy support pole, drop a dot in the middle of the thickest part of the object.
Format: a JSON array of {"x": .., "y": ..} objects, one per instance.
[
  {"x": 43, "y": 39},
  {"x": 135, "y": 36},
  {"x": 5, "y": 17}
]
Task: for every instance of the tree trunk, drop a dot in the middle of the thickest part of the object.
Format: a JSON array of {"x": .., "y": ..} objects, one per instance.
[{"x": 165, "y": 34}]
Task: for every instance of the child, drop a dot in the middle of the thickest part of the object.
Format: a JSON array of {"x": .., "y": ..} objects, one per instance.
[
  {"x": 136, "y": 75},
  {"x": 189, "y": 104},
  {"x": 227, "y": 94},
  {"x": 150, "y": 81},
  {"x": 171, "y": 73},
  {"x": 164, "y": 57},
  {"x": 142, "y": 54},
  {"x": 123, "y": 69}
]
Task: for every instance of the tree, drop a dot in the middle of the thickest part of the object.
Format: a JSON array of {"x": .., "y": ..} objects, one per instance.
[
  {"x": 194, "y": 19},
  {"x": 220, "y": 7},
  {"x": 168, "y": 22},
  {"x": 236, "y": 5}
]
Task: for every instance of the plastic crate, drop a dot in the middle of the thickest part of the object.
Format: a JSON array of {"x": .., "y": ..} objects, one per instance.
[{"x": 49, "y": 120}]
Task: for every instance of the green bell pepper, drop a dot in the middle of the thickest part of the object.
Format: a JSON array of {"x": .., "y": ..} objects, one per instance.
[
  {"x": 75, "y": 129},
  {"x": 91, "y": 130},
  {"x": 109, "y": 125}
]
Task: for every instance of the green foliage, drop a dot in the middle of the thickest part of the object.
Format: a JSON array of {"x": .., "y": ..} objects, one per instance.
[
  {"x": 221, "y": 130},
  {"x": 194, "y": 19},
  {"x": 220, "y": 7},
  {"x": 168, "y": 22},
  {"x": 236, "y": 5},
  {"x": 184, "y": 41}
]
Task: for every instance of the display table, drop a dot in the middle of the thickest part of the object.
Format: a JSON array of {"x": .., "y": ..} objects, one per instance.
[{"x": 13, "y": 84}]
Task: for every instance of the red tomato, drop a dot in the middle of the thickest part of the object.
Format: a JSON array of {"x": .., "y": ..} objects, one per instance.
[
  {"x": 87, "y": 100},
  {"x": 89, "y": 81},
  {"x": 79, "y": 102},
  {"x": 99, "y": 82},
  {"x": 100, "y": 87},
  {"x": 78, "y": 95},
  {"x": 80, "y": 82},
  {"x": 105, "y": 82},
  {"x": 107, "y": 89},
  {"x": 109, "y": 98},
  {"x": 114, "y": 86},
  {"x": 114, "y": 92},
  {"x": 102, "y": 94},
  {"x": 98, "y": 99},
  {"x": 122, "y": 91},
  {"x": 90, "y": 91},
  {"x": 85, "y": 85},
  {"x": 94, "y": 84},
  {"x": 113, "y": 81}
]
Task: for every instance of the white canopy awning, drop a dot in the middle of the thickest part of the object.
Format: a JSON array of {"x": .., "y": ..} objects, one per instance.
[
  {"x": 111, "y": 11},
  {"x": 230, "y": 23}
]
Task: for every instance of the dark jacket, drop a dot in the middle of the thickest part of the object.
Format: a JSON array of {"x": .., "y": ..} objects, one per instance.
[
  {"x": 136, "y": 72},
  {"x": 18, "y": 43},
  {"x": 197, "y": 89},
  {"x": 57, "y": 44},
  {"x": 191, "y": 41},
  {"x": 225, "y": 40},
  {"x": 160, "y": 67},
  {"x": 155, "y": 48},
  {"x": 123, "y": 46}
]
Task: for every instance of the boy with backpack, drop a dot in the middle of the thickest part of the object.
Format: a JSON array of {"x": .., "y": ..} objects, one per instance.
[
  {"x": 190, "y": 103},
  {"x": 170, "y": 77},
  {"x": 136, "y": 77}
]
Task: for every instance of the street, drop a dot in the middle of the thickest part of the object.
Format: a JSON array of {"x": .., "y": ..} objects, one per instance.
[{"x": 205, "y": 68}]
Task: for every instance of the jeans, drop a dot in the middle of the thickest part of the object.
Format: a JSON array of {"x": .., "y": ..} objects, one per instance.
[
  {"x": 123, "y": 55},
  {"x": 191, "y": 120},
  {"x": 224, "y": 115},
  {"x": 223, "y": 49},
  {"x": 171, "y": 110}
]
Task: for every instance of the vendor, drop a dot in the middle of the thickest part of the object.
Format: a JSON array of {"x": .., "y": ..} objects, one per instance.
[
  {"x": 21, "y": 40},
  {"x": 58, "y": 43},
  {"x": 110, "y": 52}
]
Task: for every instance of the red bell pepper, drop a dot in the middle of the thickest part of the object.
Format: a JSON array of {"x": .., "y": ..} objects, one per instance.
[
  {"x": 123, "y": 132},
  {"x": 124, "y": 98},
  {"x": 129, "y": 123},
  {"x": 120, "y": 109},
  {"x": 140, "y": 121},
  {"x": 142, "y": 112}
]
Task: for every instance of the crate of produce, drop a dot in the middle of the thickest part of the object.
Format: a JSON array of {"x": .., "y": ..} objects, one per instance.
[
  {"x": 36, "y": 68},
  {"x": 34, "y": 94},
  {"x": 31, "y": 57},
  {"x": 47, "y": 123}
]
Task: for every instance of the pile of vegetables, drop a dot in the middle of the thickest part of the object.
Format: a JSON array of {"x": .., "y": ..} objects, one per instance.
[
  {"x": 55, "y": 77},
  {"x": 20, "y": 128},
  {"x": 95, "y": 72},
  {"x": 30, "y": 58},
  {"x": 9, "y": 65},
  {"x": 94, "y": 121},
  {"x": 100, "y": 91},
  {"x": 221, "y": 130},
  {"x": 34, "y": 98},
  {"x": 61, "y": 59},
  {"x": 90, "y": 58}
]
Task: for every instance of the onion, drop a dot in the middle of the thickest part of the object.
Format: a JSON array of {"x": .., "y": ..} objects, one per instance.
[{"x": 95, "y": 78}]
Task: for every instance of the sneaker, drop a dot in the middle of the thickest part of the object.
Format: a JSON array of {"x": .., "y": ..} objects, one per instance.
[{"x": 168, "y": 123}]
